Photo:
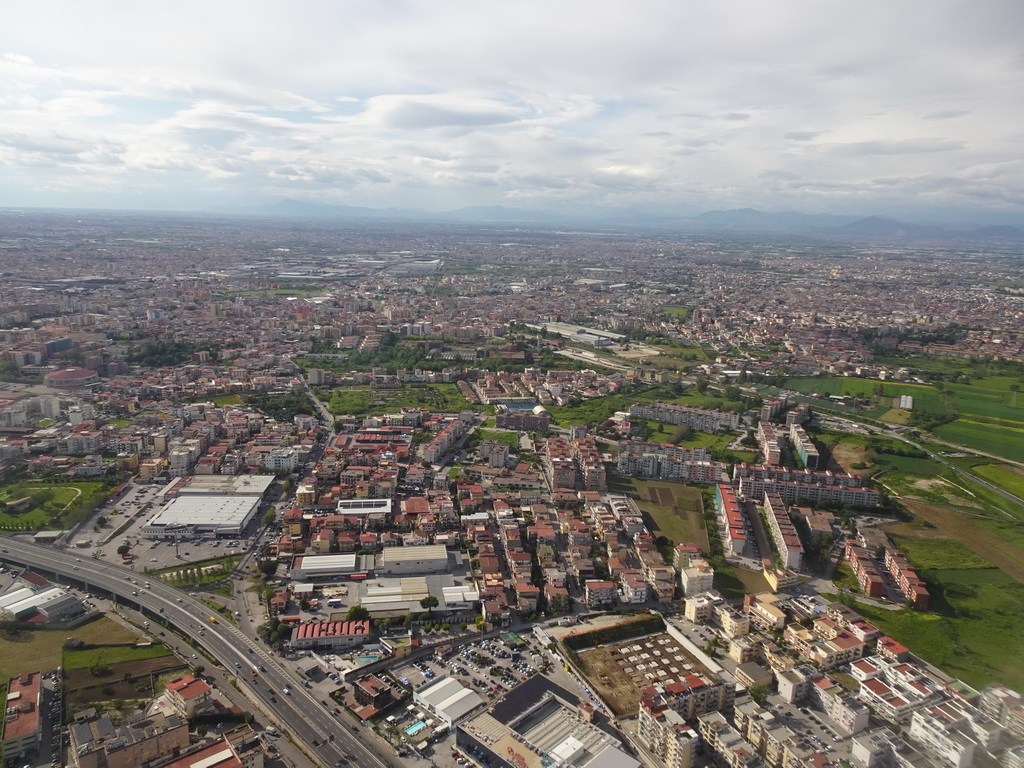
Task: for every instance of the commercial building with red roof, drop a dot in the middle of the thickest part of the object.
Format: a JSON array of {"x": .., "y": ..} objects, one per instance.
[{"x": 330, "y": 634}]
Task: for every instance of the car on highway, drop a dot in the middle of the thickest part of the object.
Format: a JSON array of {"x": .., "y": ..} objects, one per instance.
[{"x": 213, "y": 619}]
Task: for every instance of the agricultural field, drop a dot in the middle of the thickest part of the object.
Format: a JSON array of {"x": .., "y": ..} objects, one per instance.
[
  {"x": 670, "y": 509},
  {"x": 1002, "y": 439},
  {"x": 126, "y": 680},
  {"x": 1006, "y": 476},
  {"x": 926, "y": 398},
  {"x": 42, "y": 649}
]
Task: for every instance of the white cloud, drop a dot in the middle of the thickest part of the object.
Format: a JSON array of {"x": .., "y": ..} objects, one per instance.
[{"x": 788, "y": 104}]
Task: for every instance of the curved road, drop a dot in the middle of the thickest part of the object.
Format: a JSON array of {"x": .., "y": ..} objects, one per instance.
[{"x": 307, "y": 719}]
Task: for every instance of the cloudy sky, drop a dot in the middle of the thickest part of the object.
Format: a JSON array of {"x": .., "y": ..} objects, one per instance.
[{"x": 900, "y": 108}]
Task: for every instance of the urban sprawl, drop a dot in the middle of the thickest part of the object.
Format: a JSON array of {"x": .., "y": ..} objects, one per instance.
[{"x": 500, "y": 496}]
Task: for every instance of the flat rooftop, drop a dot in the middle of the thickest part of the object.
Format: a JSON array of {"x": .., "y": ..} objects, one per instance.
[{"x": 206, "y": 511}]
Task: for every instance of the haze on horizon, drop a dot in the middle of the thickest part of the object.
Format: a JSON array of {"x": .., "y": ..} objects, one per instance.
[{"x": 911, "y": 109}]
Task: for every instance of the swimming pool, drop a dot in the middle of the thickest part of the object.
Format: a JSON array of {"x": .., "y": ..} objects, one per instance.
[
  {"x": 368, "y": 659},
  {"x": 415, "y": 728}
]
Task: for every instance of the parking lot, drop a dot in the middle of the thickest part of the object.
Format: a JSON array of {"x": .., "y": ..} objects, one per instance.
[
  {"x": 139, "y": 503},
  {"x": 812, "y": 727}
]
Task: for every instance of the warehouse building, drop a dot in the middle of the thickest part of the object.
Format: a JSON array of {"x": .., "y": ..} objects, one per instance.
[
  {"x": 447, "y": 699},
  {"x": 323, "y": 567},
  {"x": 48, "y": 604},
  {"x": 203, "y": 515},
  {"x": 432, "y": 558}
]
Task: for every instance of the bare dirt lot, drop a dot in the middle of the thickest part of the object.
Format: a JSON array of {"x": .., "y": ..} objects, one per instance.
[
  {"x": 620, "y": 672},
  {"x": 845, "y": 455}
]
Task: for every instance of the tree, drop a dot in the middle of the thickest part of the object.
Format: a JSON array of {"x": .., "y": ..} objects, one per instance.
[
  {"x": 269, "y": 517},
  {"x": 8, "y": 623},
  {"x": 268, "y": 567},
  {"x": 759, "y": 694},
  {"x": 357, "y": 613},
  {"x": 429, "y": 603},
  {"x": 123, "y": 550}
]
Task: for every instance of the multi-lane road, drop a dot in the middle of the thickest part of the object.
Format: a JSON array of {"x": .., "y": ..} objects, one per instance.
[{"x": 327, "y": 734}]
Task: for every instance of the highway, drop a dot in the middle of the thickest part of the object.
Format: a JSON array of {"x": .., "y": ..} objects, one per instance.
[{"x": 325, "y": 732}]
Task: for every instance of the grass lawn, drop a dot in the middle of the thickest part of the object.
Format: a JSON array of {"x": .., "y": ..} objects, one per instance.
[
  {"x": 41, "y": 649},
  {"x": 197, "y": 573},
  {"x": 111, "y": 654},
  {"x": 222, "y": 400},
  {"x": 53, "y": 504}
]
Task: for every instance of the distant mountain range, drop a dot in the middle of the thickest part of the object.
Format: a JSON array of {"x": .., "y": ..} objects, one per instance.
[{"x": 748, "y": 220}]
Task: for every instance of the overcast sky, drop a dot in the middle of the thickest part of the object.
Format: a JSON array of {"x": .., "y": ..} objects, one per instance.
[{"x": 890, "y": 108}]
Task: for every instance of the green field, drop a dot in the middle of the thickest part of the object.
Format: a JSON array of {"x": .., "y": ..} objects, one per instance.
[
  {"x": 599, "y": 409},
  {"x": 926, "y": 399},
  {"x": 111, "y": 654},
  {"x": 363, "y": 401},
  {"x": 974, "y": 631},
  {"x": 716, "y": 443},
  {"x": 682, "y": 313},
  {"x": 910, "y": 465},
  {"x": 932, "y": 550},
  {"x": 1007, "y": 441},
  {"x": 41, "y": 649},
  {"x": 511, "y": 439},
  {"x": 222, "y": 400},
  {"x": 1006, "y": 477}
]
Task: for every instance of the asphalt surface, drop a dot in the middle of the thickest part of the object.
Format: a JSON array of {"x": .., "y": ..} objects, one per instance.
[{"x": 305, "y": 718}]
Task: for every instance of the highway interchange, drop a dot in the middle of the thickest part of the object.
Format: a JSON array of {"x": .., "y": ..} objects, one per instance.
[{"x": 326, "y": 733}]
